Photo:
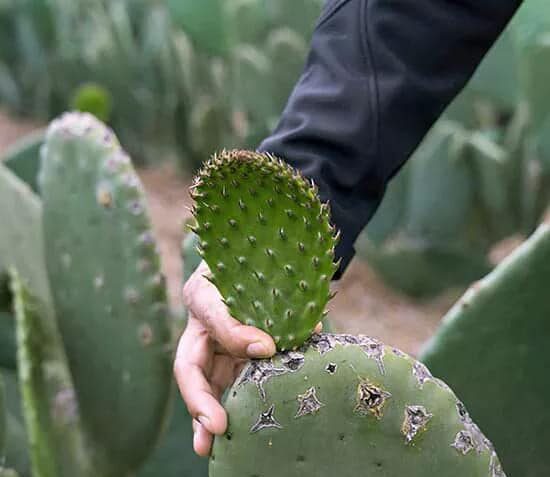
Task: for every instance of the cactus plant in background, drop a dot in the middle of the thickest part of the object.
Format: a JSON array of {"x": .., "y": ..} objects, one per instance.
[
  {"x": 242, "y": 199},
  {"x": 101, "y": 253},
  {"x": 497, "y": 165},
  {"x": 336, "y": 403},
  {"x": 94, "y": 99},
  {"x": 85, "y": 413},
  {"x": 492, "y": 349},
  {"x": 56, "y": 441},
  {"x": 154, "y": 59}
]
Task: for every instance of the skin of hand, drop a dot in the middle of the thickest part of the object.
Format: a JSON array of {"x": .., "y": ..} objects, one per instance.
[{"x": 211, "y": 353}]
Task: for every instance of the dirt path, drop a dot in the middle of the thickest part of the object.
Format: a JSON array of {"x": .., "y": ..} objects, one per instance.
[{"x": 363, "y": 304}]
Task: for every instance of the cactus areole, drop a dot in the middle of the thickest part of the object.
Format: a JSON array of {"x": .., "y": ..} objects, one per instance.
[
  {"x": 326, "y": 404},
  {"x": 268, "y": 241}
]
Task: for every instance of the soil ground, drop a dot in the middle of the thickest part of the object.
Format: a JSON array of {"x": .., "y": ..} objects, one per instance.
[{"x": 363, "y": 303}]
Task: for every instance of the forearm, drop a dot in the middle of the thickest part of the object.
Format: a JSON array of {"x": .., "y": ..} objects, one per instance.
[{"x": 378, "y": 75}]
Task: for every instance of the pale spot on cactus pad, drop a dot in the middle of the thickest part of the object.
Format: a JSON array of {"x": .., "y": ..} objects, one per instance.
[
  {"x": 279, "y": 262},
  {"x": 328, "y": 411}
]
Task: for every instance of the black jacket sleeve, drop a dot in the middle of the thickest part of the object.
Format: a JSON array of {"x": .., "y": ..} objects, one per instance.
[{"x": 378, "y": 75}]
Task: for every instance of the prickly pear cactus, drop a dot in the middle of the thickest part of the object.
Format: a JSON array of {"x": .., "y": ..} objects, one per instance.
[
  {"x": 347, "y": 405},
  {"x": 109, "y": 293},
  {"x": 268, "y": 242},
  {"x": 492, "y": 349}
]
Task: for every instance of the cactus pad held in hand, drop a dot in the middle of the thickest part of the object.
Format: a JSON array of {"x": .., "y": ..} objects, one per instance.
[
  {"x": 348, "y": 406},
  {"x": 268, "y": 241}
]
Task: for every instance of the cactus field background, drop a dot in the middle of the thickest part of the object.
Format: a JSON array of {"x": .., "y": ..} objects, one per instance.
[
  {"x": 453, "y": 269},
  {"x": 361, "y": 303}
]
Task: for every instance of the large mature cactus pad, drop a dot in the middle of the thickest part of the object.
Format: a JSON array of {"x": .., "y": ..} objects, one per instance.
[
  {"x": 347, "y": 405},
  {"x": 109, "y": 293},
  {"x": 268, "y": 242},
  {"x": 492, "y": 348}
]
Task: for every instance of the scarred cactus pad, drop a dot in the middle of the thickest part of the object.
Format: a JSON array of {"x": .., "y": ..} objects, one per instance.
[
  {"x": 348, "y": 406},
  {"x": 268, "y": 242}
]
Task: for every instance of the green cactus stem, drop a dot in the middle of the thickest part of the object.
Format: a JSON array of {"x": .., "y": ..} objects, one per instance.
[
  {"x": 347, "y": 405},
  {"x": 492, "y": 349},
  {"x": 109, "y": 293},
  {"x": 268, "y": 242}
]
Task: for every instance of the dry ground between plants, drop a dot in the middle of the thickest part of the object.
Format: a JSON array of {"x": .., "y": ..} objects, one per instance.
[{"x": 363, "y": 304}]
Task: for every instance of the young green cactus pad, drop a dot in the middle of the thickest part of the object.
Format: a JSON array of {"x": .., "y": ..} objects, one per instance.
[
  {"x": 492, "y": 348},
  {"x": 347, "y": 405},
  {"x": 109, "y": 293},
  {"x": 268, "y": 242}
]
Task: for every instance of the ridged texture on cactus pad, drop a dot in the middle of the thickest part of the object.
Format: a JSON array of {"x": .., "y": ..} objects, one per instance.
[
  {"x": 268, "y": 242},
  {"x": 109, "y": 293},
  {"x": 493, "y": 349},
  {"x": 347, "y": 406}
]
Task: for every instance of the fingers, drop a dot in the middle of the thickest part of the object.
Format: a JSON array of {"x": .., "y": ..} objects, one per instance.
[
  {"x": 202, "y": 439},
  {"x": 192, "y": 365},
  {"x": 205, "y": 302}
]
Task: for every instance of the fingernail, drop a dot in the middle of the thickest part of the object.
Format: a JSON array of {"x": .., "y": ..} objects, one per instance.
[
  {"x": 257, "y": 350},
  {"x": 204, "y": 421}
]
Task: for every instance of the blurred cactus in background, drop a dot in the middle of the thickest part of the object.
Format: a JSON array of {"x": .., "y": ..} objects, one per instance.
[
  {"x": 173, "y": 74},
  {"x": 84, "y": 318},
  {"x": 482, "y": 173}
]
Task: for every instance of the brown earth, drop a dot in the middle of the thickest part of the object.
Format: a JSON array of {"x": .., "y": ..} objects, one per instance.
[{"x": 363, "y": 303}]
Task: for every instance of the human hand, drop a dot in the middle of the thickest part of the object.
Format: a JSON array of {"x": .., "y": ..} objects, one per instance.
[{"x": 211, "y": 352}]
